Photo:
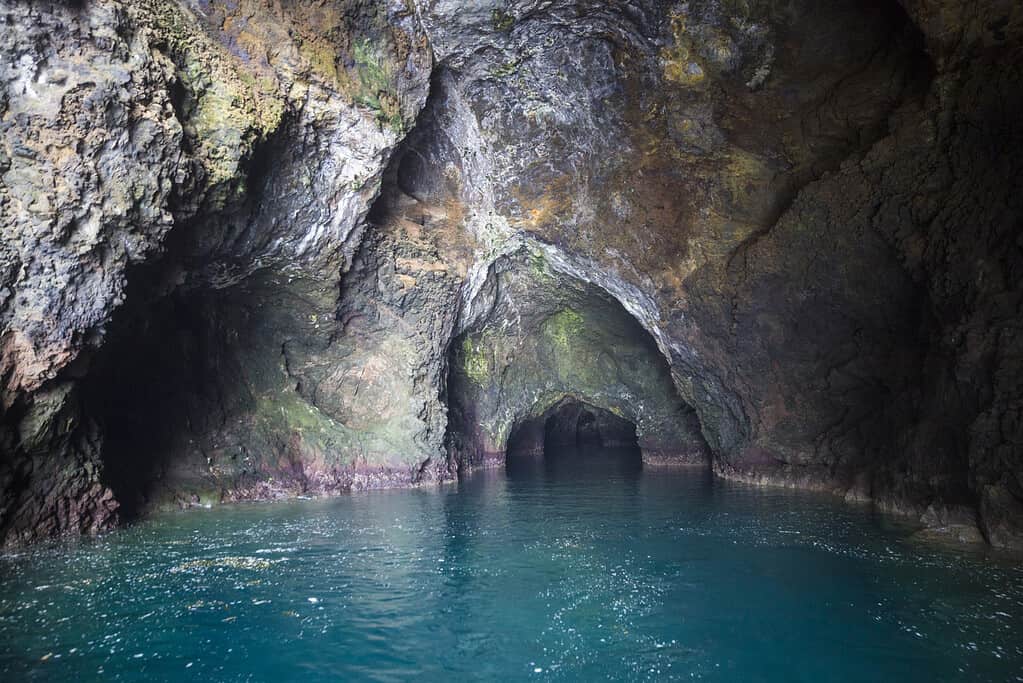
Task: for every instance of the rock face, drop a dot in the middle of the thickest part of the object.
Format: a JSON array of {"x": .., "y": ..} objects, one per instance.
[
  {"x": 255, "y": 249},
  {"x": 182, "y": 157}
]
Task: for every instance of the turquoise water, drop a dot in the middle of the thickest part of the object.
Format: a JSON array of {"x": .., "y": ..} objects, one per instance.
[{"x": 583, "y": 568}]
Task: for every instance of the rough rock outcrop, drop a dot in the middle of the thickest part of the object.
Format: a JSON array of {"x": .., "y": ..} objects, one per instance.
[
  {"x": 154, "y": 149},
  {"x": 794, "y": 227}
]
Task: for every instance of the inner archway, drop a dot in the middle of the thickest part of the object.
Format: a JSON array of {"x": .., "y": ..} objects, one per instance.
[
  {"x": 577, "y": 424},
  {"x": 576, "y": 439},
  {"x": 572, "y": 424},
  {"x": 555, "y": 361},
  {"x": 586, "y": 432}
]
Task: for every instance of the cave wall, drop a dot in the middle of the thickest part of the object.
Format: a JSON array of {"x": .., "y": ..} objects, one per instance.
[
  {"x": 151, "y": 149},
  {"x": 812, "y": 209},
  {"x": 904, "y": 311}
]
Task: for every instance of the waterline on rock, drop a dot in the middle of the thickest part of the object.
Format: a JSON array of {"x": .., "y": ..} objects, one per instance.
[{"x": 584, "y": 569}]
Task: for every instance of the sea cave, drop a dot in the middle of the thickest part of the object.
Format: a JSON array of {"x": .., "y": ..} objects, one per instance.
[{"x": 511, "y": 339}]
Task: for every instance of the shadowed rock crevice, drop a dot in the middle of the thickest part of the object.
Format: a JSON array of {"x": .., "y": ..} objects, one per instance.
[{"x": 196, "y": 403}]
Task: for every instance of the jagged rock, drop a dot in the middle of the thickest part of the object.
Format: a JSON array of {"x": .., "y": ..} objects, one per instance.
[
  {"x": 203, "y": 146},
  {"x": 806, "y": 239}
]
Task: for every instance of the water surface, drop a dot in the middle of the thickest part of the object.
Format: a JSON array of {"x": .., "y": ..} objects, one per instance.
[{"x": 583, "y": 567}]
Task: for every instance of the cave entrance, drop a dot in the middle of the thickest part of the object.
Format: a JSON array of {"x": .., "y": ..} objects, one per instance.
[
  {"x": 575, "y": 430},
  {"x": 551, "y": 360},
  {"x": 579, "y": 425}
]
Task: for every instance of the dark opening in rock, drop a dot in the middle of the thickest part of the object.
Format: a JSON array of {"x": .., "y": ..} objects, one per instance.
[
  {"x": 156, "y": 389},
  {"x": 587, "y": 431},
  {"x": 572, "y": 424},
  {"x": 577, "y": 438}
]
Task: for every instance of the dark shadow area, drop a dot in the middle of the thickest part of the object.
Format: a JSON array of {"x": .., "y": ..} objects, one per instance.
[
  {"x": 156, "y": 387},
  {"x": 573, "y": 435},
  {"x": 572, "y": 423}
]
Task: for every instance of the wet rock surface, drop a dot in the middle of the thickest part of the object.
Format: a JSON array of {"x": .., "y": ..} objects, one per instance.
[
  {"x": 178, "y": 157},
  {"x": 782, "y": 239}
]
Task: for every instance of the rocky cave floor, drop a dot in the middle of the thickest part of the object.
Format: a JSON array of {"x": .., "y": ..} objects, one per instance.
[{"x": 255, "y": 250}]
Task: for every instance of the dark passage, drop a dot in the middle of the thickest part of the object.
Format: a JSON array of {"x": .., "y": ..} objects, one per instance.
[
  {"x": 572, "y": 423},
  {"x": 573, "y": 434}
]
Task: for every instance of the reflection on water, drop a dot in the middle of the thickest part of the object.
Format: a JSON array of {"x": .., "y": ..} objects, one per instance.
[
  {"x": 568, "y": 464},
  {"x": 580, "y": 566}
]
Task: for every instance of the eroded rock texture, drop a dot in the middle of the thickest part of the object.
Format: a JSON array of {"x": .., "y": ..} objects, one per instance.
[
  {"x": 213, "y": 160},
  {"x": 782, "y": 238}
]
